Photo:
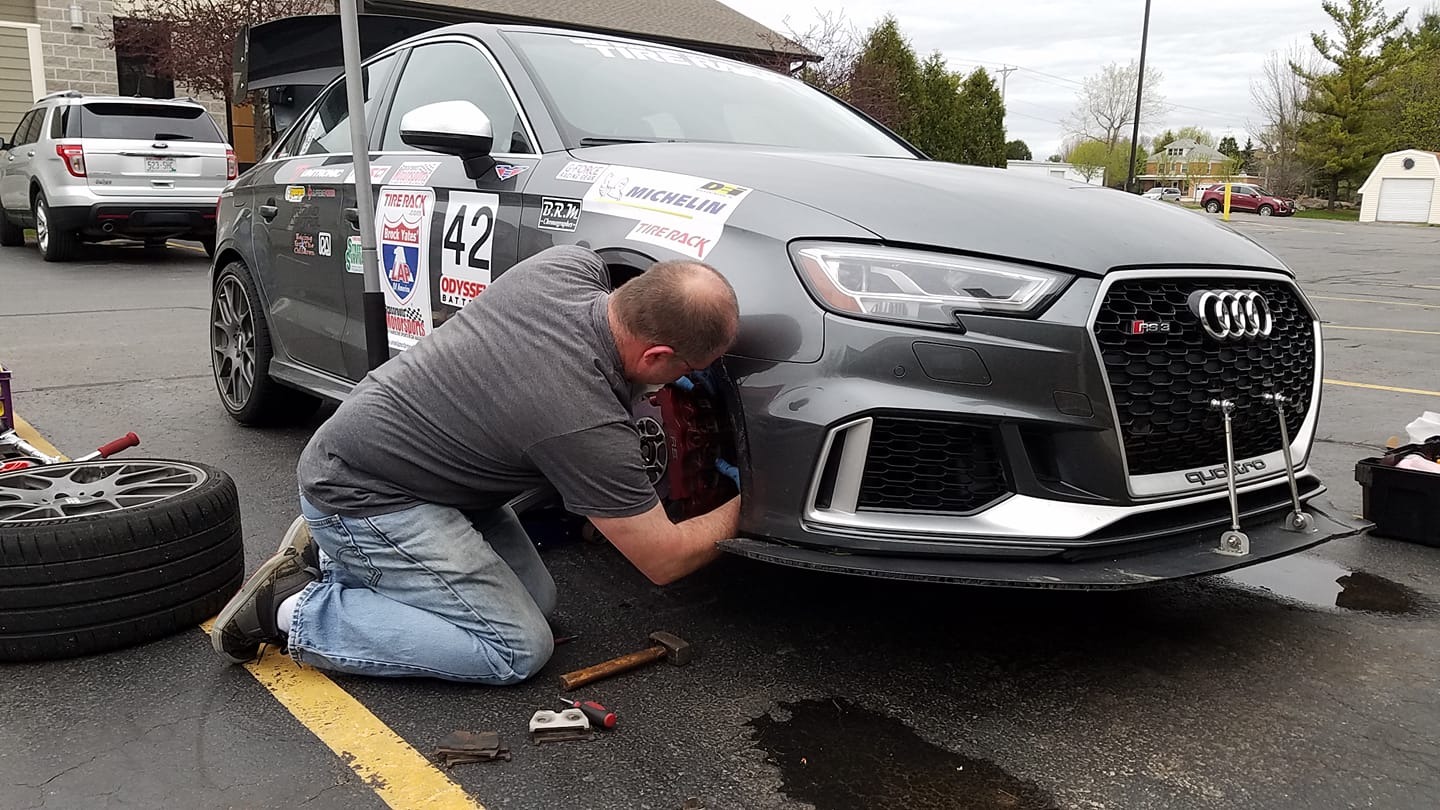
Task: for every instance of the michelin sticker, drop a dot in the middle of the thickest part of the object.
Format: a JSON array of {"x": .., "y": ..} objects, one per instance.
[
  {"x": 465, "y": 248},
  {"x": 402, "y": 223},
  {"x": 683, "y": 213},
  {"x": 581, "y": 172}
]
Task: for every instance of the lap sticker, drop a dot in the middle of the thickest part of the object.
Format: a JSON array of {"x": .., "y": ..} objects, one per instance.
[
  {"x": 677, "y": 211},
  {"x": 402, "y": 224},
  {"x": 465, "y": 247}
]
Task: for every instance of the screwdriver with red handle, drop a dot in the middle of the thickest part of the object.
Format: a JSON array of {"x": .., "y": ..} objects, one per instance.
[{"x": 599, "y": 716}]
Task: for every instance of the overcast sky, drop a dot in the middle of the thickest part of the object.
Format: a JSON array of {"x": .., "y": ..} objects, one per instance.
[{"x": 1207, "y": 51}]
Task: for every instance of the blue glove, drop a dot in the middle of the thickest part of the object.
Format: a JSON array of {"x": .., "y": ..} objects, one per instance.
[
  {"x": 684, "y": 384},
  {"x": 698, "y": 379},
  {"x": 728, "y": 470}
]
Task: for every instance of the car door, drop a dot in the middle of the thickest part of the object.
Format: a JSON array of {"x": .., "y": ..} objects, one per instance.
[
  {"x": 15, "y": 168},
  {"x": 441, "y": 236},
  {"x": 1242, "y": 198},
  {"x": 302, "y": 230}
]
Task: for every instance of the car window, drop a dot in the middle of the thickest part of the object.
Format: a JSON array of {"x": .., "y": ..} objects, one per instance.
[
  {"x": 328, "y": 129},
  {"x": 129, "y": 120},
  {"x": 59, "y": 121},
  {"x": 605, "y": 89},
  {"x": 429, "y": 77},
  {"x": 24, "y": 128}
]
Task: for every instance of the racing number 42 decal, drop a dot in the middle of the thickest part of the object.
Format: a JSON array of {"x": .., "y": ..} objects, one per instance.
[{"x": 465, "y": 246}]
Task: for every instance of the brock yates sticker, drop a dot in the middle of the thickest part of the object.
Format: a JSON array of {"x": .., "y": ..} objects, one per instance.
[
  {"x": 559, "y": 214},
  {"x": 684, "y": 213},
  {"x": 581, "y": 172},
  {"x": 414, "y": 174},
  {"x": 465, "y": 248},
  {"x": 402, "y": 225}
]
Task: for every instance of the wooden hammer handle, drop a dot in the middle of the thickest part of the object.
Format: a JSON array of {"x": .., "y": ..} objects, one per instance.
[{"x": 615, "y": 666}]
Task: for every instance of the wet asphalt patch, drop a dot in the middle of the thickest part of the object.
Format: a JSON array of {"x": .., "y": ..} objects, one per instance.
[
  {"x": 1318, "y": 582},
  {"x": 836, "y": 755}
]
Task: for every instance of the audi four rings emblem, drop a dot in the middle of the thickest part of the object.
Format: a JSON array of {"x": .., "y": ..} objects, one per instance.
[{"x": 1232, "y": 314}]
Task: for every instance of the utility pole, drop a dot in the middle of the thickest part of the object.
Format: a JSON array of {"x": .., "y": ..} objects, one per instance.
[
  {"x": 1004, "y": 75},
  {"x": 1139, "y": 89}
]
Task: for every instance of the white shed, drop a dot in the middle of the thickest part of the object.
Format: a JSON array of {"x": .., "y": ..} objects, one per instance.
[
  {"x": 1057, "y": 171},
  {"x": 1404, "y": 187}
]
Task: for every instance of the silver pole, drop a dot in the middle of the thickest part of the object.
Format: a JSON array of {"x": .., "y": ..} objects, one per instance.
[{"x": 376, "y": 340}]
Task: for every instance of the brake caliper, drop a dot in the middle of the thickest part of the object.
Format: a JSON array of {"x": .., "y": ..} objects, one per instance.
[{"x": 695, "y": 433}]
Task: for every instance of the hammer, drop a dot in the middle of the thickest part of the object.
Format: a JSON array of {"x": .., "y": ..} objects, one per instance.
[{"x": 667, "y": 646}]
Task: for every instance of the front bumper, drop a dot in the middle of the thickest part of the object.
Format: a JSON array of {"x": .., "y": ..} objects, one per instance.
[{"x": 1182, "y": 555}]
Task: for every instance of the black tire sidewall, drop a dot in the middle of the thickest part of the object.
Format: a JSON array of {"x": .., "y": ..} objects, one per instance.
[
  {"x": 75, "y": 586},
  {"x": 269, "y": 402},
  {"x": 62, "y": 244}
]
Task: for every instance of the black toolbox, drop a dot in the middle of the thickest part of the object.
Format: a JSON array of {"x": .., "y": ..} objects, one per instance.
[{"x": 1403, "y": 504}]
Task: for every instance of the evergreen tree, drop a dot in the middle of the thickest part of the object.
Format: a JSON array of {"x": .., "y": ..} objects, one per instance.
[
  {"x": 1017, "y": 150},
  {"x": 982, "y": 135},
  {"x": 886, "y": 81}
]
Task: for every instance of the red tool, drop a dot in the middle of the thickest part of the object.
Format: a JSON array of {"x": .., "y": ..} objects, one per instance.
[{"x": 600, "y": 717}]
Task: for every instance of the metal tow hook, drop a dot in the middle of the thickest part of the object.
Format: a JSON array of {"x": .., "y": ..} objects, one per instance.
[
  {"x": 1234, "y": 542},
  {"x": 1299, "y": 520}
]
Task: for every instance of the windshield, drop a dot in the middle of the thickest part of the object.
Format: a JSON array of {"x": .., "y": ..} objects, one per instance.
[
  {"x": 603, "y": 91},
  {"x": 146, "y": 122}
]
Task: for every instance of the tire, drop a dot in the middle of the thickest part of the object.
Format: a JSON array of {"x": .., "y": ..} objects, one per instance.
[
  {"x": 81, "y": 584},
  {"x": 1213, "y": 207},
  {"x": 244, "y": 339},
  {"x": 55, "y": 246},
  {"x": 1266, "y": 211},
  {"x": 11, "y": 235}
]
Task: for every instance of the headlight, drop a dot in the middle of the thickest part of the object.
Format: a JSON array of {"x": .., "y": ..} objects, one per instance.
[{"x": 920, "y": 286}]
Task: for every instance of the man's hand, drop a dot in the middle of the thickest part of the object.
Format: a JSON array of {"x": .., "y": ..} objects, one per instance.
[{"x": 665, "y": 551}]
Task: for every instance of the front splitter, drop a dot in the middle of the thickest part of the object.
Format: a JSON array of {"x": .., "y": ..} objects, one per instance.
[{"x": 1190, "y": 554}]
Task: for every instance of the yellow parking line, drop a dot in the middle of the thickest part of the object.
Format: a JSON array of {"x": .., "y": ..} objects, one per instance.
[
  {"x": 1329, "y": 326},
  {"x": 186, "y": 247},
  {"x": 401, "y": 776},
  {"x": 1375, "y": 301},
  {"x": 28, "y": 432},
  {"x": 1422, "y": 392}
]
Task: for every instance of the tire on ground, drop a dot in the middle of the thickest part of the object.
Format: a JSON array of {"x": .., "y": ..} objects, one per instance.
[{"x": 79, "y": 585}]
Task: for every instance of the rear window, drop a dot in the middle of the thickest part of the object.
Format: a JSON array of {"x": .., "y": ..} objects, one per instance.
[{"x": 144, "y": 122}]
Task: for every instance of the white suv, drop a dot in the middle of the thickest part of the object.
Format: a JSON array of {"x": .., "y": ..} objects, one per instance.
[{"x": 87, "y": 168}]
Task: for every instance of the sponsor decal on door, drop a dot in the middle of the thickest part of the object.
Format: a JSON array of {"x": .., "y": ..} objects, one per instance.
[
  {"x": 466, "y": 245},
  {"x": 402, "y": 224}
]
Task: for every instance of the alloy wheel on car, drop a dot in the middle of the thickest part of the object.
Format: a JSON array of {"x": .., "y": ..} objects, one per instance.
[
  {"x": 1265, "y": 210},
  {"x": 232, "y": 342},
  {"x": 42, "y": 225}
]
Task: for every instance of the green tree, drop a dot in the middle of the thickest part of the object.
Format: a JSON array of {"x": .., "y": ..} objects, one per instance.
[
  {"x": 1089, "y": 158},
  {"x": 1164, "y": 139},
  {"x": 1339, "y": 140},
  {"x": 940, "y": 113},
  {"x": 1196, "y": 134},
  {"x": 886, "y": 82},
  {"x": 982, "y": 133},
  {"x": 1056, "y": 159},
  {"x": 1408, "y": 112},
  {"x": 1247, "y": 157},
  {"x": 1228, "y": 146},
  {"x": 1017, "y": 150}
]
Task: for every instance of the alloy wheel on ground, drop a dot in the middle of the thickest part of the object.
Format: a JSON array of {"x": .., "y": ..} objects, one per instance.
[{"x": 80, "y": 490}]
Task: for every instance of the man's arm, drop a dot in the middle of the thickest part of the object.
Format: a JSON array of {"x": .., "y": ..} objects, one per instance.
[{"x": 665, "y": 551}]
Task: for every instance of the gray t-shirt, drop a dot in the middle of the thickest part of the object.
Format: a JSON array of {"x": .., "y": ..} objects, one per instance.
[{"x": 524, "y": 385}]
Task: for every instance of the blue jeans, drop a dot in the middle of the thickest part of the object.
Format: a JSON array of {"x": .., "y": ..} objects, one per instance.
[{"x": 428, "y": 591}]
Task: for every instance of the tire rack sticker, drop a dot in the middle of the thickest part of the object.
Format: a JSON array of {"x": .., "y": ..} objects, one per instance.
[
  {"x": 402, "y": 225},
  {"x": 677, "y": 211},
  {"x": 467, "y": 237}
]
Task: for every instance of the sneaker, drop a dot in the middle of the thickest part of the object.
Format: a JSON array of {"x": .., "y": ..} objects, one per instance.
[{"x": 248, "y": 619}]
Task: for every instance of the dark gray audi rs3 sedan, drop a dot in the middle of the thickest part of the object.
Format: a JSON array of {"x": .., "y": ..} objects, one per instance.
[{"x": 944, "y": 373}]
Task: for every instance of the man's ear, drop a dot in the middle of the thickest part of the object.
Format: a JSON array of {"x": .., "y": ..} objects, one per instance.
[{"x": 657, "y": 354}]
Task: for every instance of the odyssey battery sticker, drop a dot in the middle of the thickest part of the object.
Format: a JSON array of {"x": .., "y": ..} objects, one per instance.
[{"x": 402, "y": 224}]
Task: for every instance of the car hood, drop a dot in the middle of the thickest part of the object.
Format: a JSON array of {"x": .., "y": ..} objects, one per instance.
[{"x": 994, "y": 212}]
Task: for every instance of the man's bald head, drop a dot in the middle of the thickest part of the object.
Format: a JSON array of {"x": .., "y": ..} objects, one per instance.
[{"x": 686, "y": 305}]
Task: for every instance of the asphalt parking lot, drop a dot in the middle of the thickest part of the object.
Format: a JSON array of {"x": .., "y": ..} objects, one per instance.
[{"x": 1309, "y": 682}]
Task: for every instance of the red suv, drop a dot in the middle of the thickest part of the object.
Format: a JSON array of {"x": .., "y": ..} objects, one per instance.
[{"x": 1245, "y": 197}]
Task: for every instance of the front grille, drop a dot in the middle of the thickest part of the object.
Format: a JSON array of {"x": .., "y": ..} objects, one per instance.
[
  {"x": 931, "y": 466},
  {"x": 1163, "y": 383}
]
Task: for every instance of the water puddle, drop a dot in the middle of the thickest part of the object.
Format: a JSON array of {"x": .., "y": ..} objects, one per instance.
[
  {"x": 839, "y": 756},
  {"x": 1321, "y": 583}
]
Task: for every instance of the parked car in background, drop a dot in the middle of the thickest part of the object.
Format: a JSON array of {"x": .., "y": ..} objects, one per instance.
[
  {"x": 1168, "y": 194},
  {"x": 1246, "y": 197},
  {"x": 87, "y": 168}
]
